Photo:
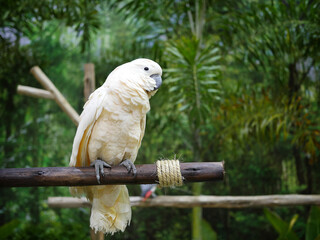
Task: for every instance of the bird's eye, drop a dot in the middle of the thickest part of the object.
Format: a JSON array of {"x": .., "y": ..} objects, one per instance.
[{"x": 146, "y": 68}]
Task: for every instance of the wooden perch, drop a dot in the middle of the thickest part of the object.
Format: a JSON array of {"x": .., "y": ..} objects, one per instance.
[
  {"x": 71, "y": 176},
  {"x": 58, "y": 97},
  {"x": 201, "y": 201},
  {"x": 34, "y": 92}
]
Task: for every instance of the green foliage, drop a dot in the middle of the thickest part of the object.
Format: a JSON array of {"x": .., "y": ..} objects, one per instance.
[
  {"x": 273, "y": 37},
  {"x": 313, "y": 224},
  {"x": 240, "y": 86},
  {"x": 26, "y": 18},
  {"x": 207, "y": 232},
  {"x": 52, "y": 230},
  {"x": 193, "y": 72},
  {"x": 192, "y": 77},
  {"x": 284, "y": 229},
  {"x": 7, "y": 229}
]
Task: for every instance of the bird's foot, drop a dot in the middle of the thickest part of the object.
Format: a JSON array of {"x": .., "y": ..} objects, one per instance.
[
  {"x": 129, "y": 166},
  {"x": 99, "y": 165}
]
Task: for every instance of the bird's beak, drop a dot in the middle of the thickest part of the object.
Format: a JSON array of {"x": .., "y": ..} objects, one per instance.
[{"x": 158, "y": 80}]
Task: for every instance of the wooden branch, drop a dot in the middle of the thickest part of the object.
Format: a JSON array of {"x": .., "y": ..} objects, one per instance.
[
  {"x": 201, "y": 201},
  {"x": 70, "y": 176},
  {"x": 58, "y": 97},
  {"x": 34, "y": 92},
  {"x": 68, "y": 202}
]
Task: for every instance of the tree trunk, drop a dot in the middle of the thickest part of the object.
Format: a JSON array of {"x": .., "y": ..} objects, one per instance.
[{"x": 294, "y": 87}]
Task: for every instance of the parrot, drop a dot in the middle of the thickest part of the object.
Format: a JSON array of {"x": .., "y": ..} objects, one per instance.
[
  {"x": 110, "y": 130},
  {"x": 148, "y": 190}
]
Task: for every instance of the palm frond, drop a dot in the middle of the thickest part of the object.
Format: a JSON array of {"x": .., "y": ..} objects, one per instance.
[{"x": 193, "y": 74}]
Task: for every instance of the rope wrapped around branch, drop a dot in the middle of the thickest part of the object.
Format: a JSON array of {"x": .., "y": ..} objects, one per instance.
[{"x": 169, "y": 173}]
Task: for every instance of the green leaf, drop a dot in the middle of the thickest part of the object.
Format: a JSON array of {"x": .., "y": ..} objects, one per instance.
[
  {"x": 184, "y": 107},
  {"x": 207, "y": 232},
  {"x": 313, "y": 224},
  {"x": 171, "y": 80},
  {"x": 278, "y": 224},
  {"x": 213, "y": 90},
  {"x": 174, "y": 88},
  {"x": 193, "y": 76},
  {"x": 281, "y": 226},
  {"x": 210, "y": 82},
  {"x": 293, "y": 221},
  {"x": 7, "y": 229},
  {"x": 209, "y": 68},
  {"x": 213, "y": 59}
]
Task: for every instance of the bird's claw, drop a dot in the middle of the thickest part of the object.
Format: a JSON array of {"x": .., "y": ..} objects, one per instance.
[
  {"x": 99, "y": 165},
  {"x": 129, "y": 166}
]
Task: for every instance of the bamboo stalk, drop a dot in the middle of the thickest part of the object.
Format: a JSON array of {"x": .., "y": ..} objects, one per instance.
[
  {"x": 58, "y": 97},
  {"x": 34, "y": 92},
  {"x": 201, "y": 201},
  {"x": 71, "y": 176}
]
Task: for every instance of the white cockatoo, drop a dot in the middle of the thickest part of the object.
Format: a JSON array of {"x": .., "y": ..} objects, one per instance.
[{"x": 110, "y": 131}]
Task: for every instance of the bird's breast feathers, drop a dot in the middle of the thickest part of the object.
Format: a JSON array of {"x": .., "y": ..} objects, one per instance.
[{"x": 115, "y": 137}]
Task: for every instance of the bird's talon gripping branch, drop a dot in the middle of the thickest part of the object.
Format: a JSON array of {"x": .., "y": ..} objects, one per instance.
[
  {"x": 99, "y": 165},
  {"x": 129, "y": 166}
]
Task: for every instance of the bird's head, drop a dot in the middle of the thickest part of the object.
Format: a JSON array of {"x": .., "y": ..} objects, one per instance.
[
  {"x": 149, "y": 73},
  {"x": 138, "y": 75}
]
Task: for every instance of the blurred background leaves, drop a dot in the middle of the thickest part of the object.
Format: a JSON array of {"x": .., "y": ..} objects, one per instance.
[{"x": 241, "y": 84}]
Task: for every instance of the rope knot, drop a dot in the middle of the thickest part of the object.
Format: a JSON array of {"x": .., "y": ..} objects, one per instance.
[{"x": 169, "y": 173}]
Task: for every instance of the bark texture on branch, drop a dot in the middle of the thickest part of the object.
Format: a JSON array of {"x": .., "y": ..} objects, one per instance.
[
  {"x": 201, "y": 201},
  {"x": 71, "y": 176}
]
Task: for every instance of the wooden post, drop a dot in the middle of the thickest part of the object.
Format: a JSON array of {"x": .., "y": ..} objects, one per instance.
[
  {"x": 89, "y": 85},
  {"x": 85, "y": 176},
  {"x": 96, "y": 236},
  {"x": 58, "y": 97},
  {"x": 89, "y": 80}
]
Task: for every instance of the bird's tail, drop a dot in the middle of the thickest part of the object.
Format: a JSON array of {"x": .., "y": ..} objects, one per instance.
[{"x": 111, "y": 210}]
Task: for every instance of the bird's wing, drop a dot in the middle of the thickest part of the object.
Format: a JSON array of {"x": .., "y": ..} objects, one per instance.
[
  {"x": 142, "y": 127},
  {"x": 91, "y": 112}
]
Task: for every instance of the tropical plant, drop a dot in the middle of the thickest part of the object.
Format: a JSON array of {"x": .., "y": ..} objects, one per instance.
[
  {"x": 285, "y": 230},
  {"x": 259, "y": 112},
  {"x": 276, "y": 39}
]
